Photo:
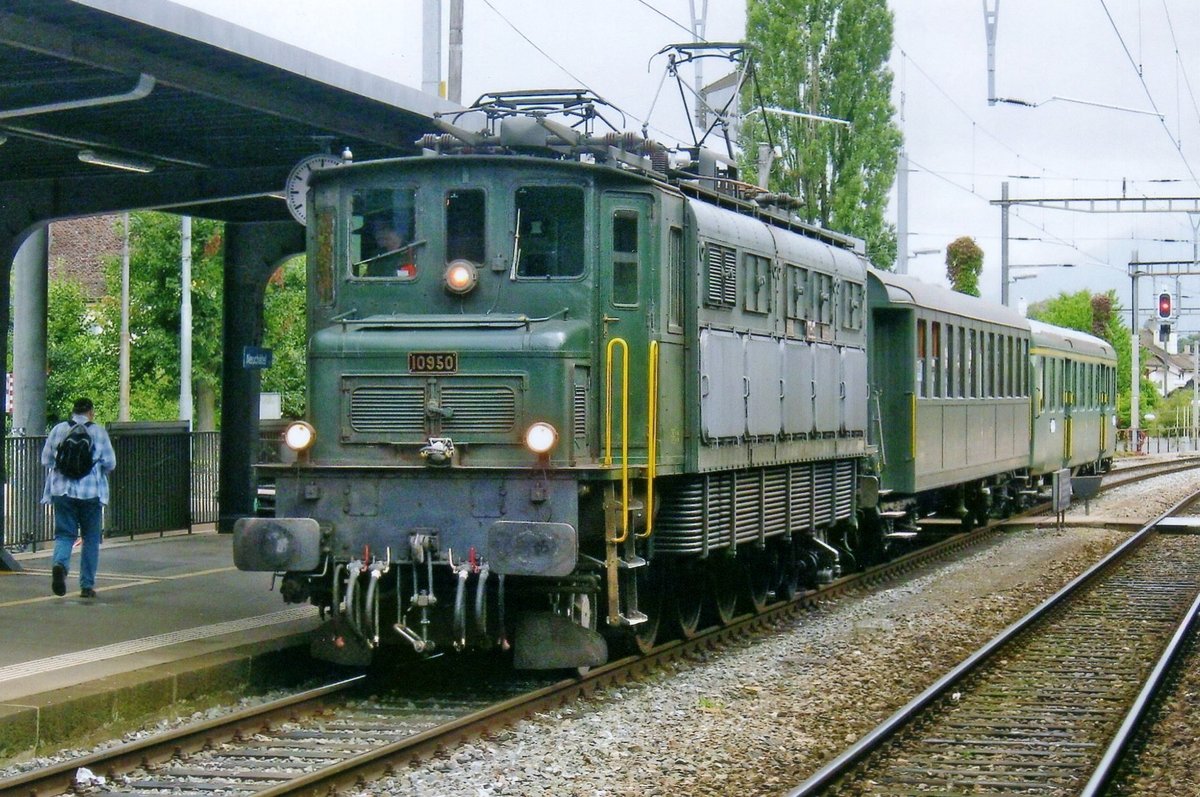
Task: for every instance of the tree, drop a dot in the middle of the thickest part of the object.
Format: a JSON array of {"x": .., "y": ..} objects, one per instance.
[
  {"x": 964, "y": 261},
  {"x": 829, "y": 58},
  {"x": 284, "y": 332},
  {"x": 155, "y": 291},
  {"x": 80, "y": 355}
]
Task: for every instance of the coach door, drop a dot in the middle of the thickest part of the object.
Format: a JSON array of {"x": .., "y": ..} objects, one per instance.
[
  {"x": 1069, "y": 386},
  {"x": 626, "y": 266}
]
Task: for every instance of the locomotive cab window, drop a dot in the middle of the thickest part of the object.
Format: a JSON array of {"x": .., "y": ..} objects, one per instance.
[
  {"x": 549, "y": 232},
  {"x": 383, "y": 242},
  {"x": 465, "y": 217},
  {"x": 625, "y": 258}
]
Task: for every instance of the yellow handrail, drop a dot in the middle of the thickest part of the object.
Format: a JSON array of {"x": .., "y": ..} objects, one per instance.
[
  {"x": 608, "y": 369},
  {"x": 651, "y": 437},
  {"x": 912, "y": 442}
]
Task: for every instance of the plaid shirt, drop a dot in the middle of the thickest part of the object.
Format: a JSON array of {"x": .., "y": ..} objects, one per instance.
[{"x": 95, "y": 483}]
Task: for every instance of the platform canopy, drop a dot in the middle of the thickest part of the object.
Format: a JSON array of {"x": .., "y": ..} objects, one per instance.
[{"x": 111, "y": 105}]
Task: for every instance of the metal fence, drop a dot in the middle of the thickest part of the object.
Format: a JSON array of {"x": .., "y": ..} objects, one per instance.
[
  {"x": 1162, "y": 440},
  {"x": 166, "y": 480}
]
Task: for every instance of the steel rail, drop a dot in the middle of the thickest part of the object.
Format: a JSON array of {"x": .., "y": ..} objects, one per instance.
[
  {"x": 844, "y": 762},
  {"x": 351, "y": 771},
  {"x": 59, "y": 778},
  {"x": 1107, "y": 768}
]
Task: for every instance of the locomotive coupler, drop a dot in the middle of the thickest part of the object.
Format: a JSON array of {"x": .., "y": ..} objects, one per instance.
[{"x": 439, "y": 451}]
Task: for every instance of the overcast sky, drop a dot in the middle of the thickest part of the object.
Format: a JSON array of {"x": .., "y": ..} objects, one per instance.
[{"x": 960, "y": 147}]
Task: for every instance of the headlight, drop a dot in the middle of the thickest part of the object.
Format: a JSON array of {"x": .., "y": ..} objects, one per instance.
[
  {"x": 461, "y": 276},
  {"x": 299, "y": 436},
  {"x": 540, "y": 437}
]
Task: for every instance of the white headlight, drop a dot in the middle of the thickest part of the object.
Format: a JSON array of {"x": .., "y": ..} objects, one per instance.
[
  {"x": 540, "y": 437},
  {"x": 461, "y": 276},
  {"x": 299, "y": 436}
]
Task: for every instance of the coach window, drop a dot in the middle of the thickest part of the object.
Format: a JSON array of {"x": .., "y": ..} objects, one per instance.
[
  {"x": 964, "y": 357},
  {"x": 549, "y": 239},
  {"x": 465, "y": 218},
  {"x": 951, "y": 368},
  {"x": 972, "y": 357},
  {"x": 935, "y": 362},
  {"x": 382, "y": 234},
  {"x": 921, "y": 357}
]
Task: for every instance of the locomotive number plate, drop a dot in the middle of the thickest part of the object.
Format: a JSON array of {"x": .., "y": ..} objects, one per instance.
[{"x": 433, "y": 362}]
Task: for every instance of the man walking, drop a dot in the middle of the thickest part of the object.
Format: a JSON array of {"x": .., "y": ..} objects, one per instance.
[{"x": 78, "y": 456}]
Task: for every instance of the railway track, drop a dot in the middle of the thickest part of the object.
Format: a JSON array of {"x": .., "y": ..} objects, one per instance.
[
  {"x": 331, "y": 739},
  {"x": 1046, "y": 707}
]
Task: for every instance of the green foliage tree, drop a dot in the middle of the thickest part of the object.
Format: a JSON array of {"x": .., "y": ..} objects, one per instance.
[
  {"x": 155, "y": 291},
  {"x": 829, "y": 58},
  {"x": 284, "y": 333},
  {"x": 80, "y": 355},
  {"x": 964, "y": 261}
]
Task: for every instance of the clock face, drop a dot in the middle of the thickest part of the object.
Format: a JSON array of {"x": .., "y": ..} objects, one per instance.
[{"x": 295, "y": 190}]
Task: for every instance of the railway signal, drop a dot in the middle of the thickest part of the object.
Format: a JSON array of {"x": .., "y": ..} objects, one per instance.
[{"x": 1164, "y": 305}]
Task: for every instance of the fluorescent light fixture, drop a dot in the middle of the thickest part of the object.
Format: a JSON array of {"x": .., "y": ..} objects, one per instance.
[{"x": 115, "y": 161}]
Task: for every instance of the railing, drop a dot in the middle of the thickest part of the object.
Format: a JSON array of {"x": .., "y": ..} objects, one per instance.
[
  {"x": 1162, "y": 440},
  {"x": 166, "y": 480}
]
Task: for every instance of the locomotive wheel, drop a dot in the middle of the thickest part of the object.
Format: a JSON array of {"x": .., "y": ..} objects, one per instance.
[
  {"x": 723, "y": 580},
  {"x": 787, "y": 571},
  {"x": 650, "y": 603},
  {"x": 760, "y": 572},
  {"x": 685, "y": 599}
]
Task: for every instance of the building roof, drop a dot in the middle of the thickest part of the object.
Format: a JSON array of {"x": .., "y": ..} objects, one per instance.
[{"x": 219, "y": 111}]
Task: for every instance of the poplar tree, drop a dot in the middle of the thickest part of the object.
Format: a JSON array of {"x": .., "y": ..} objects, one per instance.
[{"x": 829, "y": 58}]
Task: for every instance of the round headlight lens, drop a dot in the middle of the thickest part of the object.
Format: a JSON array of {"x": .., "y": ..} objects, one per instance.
[
  {"x": 299, "y": 436},
  {"x": 461, "y": 276},
  {"x": 540, "y": 437}
]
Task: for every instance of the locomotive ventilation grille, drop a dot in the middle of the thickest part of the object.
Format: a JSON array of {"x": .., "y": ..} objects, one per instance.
[
  {"x": 740, "y": 506},
  {"x": 388, "y": 412}
]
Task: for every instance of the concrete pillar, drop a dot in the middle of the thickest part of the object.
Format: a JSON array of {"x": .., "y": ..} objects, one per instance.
[
  {"x": 252, "y": 253},
  {"x": 8, "y": 250},
  {"x": 31, "y": 269}
]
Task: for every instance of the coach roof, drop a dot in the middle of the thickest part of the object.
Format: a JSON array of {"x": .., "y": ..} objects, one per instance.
[{"x": 905, "y": 290}]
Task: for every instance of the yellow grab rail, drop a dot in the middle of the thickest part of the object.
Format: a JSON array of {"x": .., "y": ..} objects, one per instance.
[
  {"x": 608, "y": 369},
  {"x": 912, "y": 441},
  {"x": 651, "y": 436}
]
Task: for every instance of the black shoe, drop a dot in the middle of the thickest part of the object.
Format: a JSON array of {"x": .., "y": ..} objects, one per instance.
[
  {"x": 58, "y": 580},
  {"x": 87, "y": 592}
]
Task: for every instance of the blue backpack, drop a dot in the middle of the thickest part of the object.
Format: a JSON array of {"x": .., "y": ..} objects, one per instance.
[{"x": 75, "y": 456}]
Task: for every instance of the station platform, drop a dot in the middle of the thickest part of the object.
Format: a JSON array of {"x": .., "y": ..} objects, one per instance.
[{"x": 173, "y": 622}]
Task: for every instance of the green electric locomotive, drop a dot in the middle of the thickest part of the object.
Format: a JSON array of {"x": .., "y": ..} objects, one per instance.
[
  {"x": 563, "y": 383},
  {"x": 570, "y": 389}
]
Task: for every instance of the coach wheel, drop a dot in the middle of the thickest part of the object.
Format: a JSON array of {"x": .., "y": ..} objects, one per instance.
[{"x": 686, "y": 597}]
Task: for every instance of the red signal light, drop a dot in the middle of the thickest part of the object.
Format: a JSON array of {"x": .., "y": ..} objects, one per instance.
[{"x": 1164, "y": 305}]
